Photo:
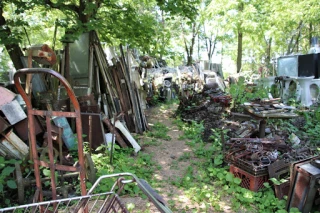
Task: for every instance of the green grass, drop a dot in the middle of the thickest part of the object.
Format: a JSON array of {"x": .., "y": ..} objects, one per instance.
[
  {"x": 159, "y": 131},
  {"x": 151, "y": 142},
  {"x": 212, "y": 182}
]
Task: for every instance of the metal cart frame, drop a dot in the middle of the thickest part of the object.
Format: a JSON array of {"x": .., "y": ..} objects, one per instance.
[
  {"x": 48, "y": 115},
  {"x": 105, "y": 202}
]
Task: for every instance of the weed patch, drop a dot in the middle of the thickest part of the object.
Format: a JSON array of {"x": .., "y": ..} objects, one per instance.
[
  {"x": 141, "y": 165},
  {"x": 159, "y": 131},
  {"x": 213, "y": 183}
]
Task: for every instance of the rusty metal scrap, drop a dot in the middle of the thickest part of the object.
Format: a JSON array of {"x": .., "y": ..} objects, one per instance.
[
  {"x": 255, "y": 155},
  {"x": 22, "y": 126},
  {"x": 3, "y": 124},
  {"x": 93, "y": 129},
  {"x": 304, "y": 185}
]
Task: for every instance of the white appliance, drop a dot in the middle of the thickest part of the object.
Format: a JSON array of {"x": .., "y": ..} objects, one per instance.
[{"x": 305, "y": 83}]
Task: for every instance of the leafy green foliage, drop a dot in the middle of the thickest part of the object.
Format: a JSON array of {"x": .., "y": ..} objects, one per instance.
[
  {"x": 140, "y": 165},
  {"x": 184, "y": 8},
  {"x": 212, "y": 181},
  {"x": 7, "y": 180},
  {"x": 312, "y": 126},
  {"x": 192, "y": 131},
  {"x": 278, "y": 182},
  {"x": 241, "y": 92},
  {"x": 309, "y": 128},
  {"x": 5, "y": 66}
]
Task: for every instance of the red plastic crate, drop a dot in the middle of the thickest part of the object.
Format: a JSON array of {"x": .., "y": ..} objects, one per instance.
[{"x": 249, "y": 181}]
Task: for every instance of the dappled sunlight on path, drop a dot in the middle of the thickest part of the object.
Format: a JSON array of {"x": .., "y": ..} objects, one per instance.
[{"x": 175, "y": 159}]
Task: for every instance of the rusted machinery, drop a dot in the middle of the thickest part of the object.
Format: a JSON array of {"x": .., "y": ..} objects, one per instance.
[{"x": 251, "y": 158}]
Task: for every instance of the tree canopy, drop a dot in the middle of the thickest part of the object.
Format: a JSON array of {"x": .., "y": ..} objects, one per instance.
[{"x": 251, "y": 32}]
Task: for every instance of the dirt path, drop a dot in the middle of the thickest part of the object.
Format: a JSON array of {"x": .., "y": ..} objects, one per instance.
[
  {"x": 174, "y": 158},
  {"x": 167, "y": 154}
]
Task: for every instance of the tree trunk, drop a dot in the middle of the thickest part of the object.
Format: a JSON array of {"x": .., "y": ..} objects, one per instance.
[
  {"x": 292, "y": 45},
  {"x": 163, "y": 35},
  {"x": 310, "y": 34},
  {"x": 240, "y": 38},
  {"x": 189, "y": 49},
  {"x": 189, "y": 61},
  {"x": 83, "y": 17},
  {"x": 188, "y": 53},
  {"x": 210, "y": 50},
  {"x": 13, "y": 49},
  {"x": 239, "y": 54},
  {"x": 268, "y": 53}
]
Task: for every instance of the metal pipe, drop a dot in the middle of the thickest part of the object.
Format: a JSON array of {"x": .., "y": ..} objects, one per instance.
[
  {"x": 90, "y": 70},
  {"x": 90, "y": 134},
  {"x": 113, "y": 132},
  {"x": 51, "y": 158}
]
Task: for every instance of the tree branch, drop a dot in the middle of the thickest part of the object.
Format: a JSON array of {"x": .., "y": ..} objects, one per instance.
[
  {"x": 12, "y": 48},
  {"x": 298, "y": 36},
  {"x": 290, "y": 50}
]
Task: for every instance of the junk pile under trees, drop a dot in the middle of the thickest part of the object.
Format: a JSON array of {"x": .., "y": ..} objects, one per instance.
[
  {"x": 251, "y": 159},
  {"x": 203, "y": 99},
  {"x": 160, "y": 84},
  {"x": 277, "y": 156},
  {"x": 81, "y": 97}
]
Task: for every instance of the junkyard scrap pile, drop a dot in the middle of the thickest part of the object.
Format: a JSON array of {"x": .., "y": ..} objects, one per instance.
[
  {"x": 98, "y": 100},
  {"x": 101, "y": 99},
  {"x": 257, "y": 160}
]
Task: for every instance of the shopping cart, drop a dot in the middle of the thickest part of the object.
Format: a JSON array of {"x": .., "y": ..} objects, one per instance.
[{"x": 97, "y": 202}]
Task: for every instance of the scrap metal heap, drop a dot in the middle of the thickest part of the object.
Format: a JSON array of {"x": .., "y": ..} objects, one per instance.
[
  {"x": 254, "y": 159},
  {"x": 86, "y": 87}
]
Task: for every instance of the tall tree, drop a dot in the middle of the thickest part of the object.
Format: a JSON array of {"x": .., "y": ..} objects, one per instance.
[
  {"x": 9, "y": 40},
  {"x": 189, "y": 43},
  {"x": 240, "y": 31},
  {"x": 232, "y": 13},
  {"x": 116, "y": 21},
  {"x": 187, "y": 13},
  {"x": 211, "y": 40}
]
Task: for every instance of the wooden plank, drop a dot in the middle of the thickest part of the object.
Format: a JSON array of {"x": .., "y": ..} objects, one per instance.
[
  {"x": 125, "y": 69},
  {"x": 111, "y": 128},
  {"x": 124, "y": 98},
  {"x": 141, "y": 113},
  {"x": 105, "y": 78}
]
